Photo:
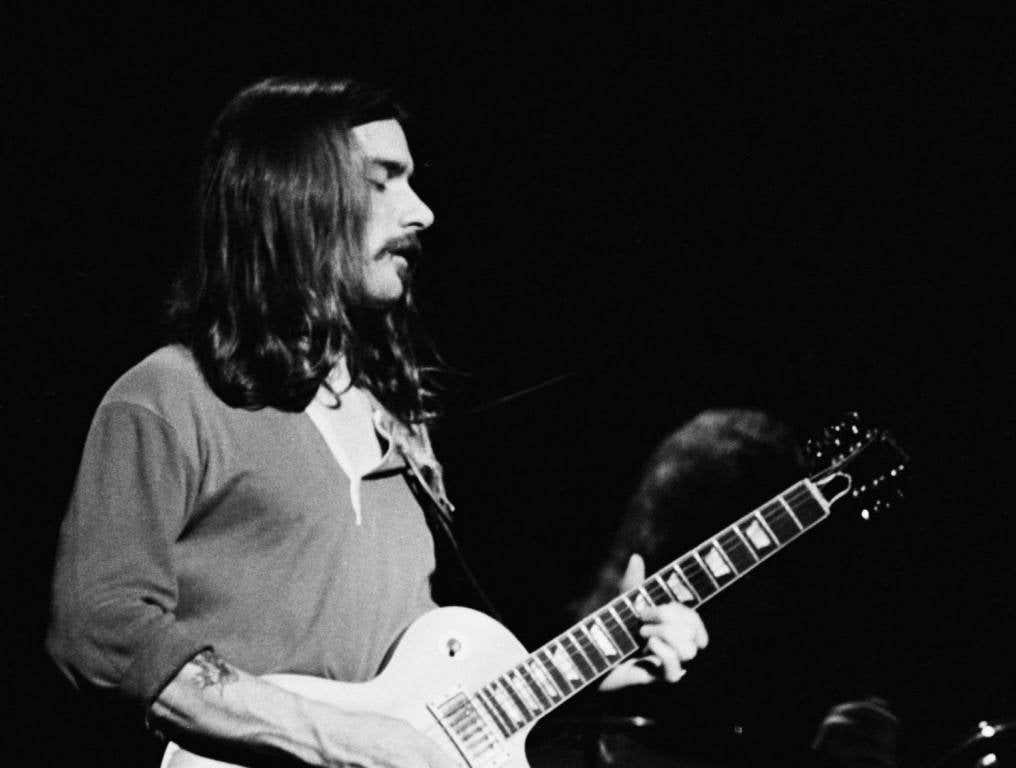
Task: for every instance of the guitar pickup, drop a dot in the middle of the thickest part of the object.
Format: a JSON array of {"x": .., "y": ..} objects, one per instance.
[{"x": 475, "y": 737}]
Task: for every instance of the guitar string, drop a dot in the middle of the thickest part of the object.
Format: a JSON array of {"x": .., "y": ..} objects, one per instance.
[
  {"x": 793, "y": 495},
  {"x": 577, "y": 636}
]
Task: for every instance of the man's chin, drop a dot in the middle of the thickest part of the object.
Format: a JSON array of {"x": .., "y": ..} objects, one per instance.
[{"x": 384, "y": 296}]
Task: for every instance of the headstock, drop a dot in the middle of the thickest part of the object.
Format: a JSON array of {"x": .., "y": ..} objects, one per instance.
[{"x": 857, "y": 462}]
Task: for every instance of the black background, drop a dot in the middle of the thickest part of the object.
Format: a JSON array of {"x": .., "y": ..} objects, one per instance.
[{"x": 802, "y": 208}]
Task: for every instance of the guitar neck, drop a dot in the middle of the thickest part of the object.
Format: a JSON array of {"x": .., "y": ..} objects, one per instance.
[{"x": 603, "y": 639}]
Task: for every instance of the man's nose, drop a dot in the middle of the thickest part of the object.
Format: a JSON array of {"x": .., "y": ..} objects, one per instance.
[{"x": 416, "y": 214}]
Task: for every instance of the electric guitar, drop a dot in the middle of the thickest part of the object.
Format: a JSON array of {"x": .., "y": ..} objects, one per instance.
[{"x": 464, "y": 680}]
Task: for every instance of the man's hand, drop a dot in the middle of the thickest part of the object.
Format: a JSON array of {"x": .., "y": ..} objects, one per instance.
[{"x": 674, "y": 634}]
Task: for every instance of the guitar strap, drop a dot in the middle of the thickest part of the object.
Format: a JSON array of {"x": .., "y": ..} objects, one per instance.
[{"x": 455, "y": 582}]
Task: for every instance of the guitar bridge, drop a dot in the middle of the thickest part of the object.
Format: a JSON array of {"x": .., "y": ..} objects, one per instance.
[{"x": 470, "y": 730}]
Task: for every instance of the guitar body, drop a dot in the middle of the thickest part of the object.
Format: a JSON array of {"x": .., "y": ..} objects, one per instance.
[{"x": 444, "y": 649}]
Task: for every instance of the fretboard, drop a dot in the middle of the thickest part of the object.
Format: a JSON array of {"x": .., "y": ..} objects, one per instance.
[{"x": 602, "y": 640}]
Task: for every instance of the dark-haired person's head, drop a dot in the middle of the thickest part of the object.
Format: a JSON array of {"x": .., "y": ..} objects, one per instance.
[{"x": 307, "y": 230}]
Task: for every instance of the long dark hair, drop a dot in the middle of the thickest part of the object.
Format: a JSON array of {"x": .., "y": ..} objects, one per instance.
[{"x": 268, "y": 305}]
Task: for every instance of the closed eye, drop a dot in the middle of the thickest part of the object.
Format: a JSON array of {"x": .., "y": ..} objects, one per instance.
[{"x": 389, "y": 168}]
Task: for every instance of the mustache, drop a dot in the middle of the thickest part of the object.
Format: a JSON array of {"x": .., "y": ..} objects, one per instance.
[{"x": 404, "y": 245}]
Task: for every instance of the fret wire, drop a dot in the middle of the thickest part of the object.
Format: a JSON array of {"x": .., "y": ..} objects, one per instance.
[
  {"x": 612, "y": 617},
  {"x": 562, "y": 682},
  {"x": 621, "y": 607},
  {"x": 481, "y": 708},
  {"x": 601, "y": 638},
  {"x": 632, "y": 598},
  {"x": 734, "y": 549},
  {"x": 700, "y": 568},
  {"x": 578, "y": 659},
  {"x": 726, "y": 557},
  {"x": 705, "y": 568},
  {"x": 619, "y": 622},
  {"x": 660, "y": 587},
  {"x": 769, "y": 551},
  {"x": 683, "y": 573},
  {"x": 783, "y": 526},
  {"x": 731, "y": 544},
  {"x": 740, "y": 536},
  {"x": 805, "y": 492},
  {"x": 738, "y": 550},
  {"x": 790, "y": 511},
  {"x": 515, "y": 697},
  {"x": 519, "y": 686},
  {"x": 591, "y": 627},
  {"x": 631, "y": 601},
  {"x": 796, "y": 493},
  {"x": 713, "y": 545},
  {"x": 525, "y": 686},
  {"x": 641, "y": 589},
  {"x": 538, "y": 691},
  {"x": 588, "y": 647},
  {"x": 678, "y": 574},
  {"x": 808, "y": 504},
  {"x": 493, "y": 717},
  {"x": 509, "y": 724},
  {"x": 757, "y": 515},
  {"x": 569, "y": 669},
  {"x": 700, "y": 561},
  {"x": 508, "y": 704},
  {"x": 539, "y": 671}
]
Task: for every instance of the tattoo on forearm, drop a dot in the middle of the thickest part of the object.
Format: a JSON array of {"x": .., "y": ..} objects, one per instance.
[{"x": 212, "y": 669}]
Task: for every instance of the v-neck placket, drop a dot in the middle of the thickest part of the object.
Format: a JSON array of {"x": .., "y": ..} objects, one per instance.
[{"x": 337, "y": 437}]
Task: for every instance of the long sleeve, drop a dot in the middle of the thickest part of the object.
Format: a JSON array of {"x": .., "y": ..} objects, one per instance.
[{"x": 112, "y": 623}]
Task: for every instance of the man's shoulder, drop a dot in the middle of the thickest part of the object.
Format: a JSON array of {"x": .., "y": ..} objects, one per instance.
[{"x": 165, "y": 382}]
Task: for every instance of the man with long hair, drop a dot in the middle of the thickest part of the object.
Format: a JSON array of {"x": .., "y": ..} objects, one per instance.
[{"x": 242, "y": 504}]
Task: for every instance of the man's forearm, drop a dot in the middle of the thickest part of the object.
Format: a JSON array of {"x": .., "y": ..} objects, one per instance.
[
  {"x": 213, "y": 704},
  {"x": 212, "y": 707}
]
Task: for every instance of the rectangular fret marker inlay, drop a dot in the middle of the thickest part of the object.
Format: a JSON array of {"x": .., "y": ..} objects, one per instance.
[
  {"x": 717, "y": 565},
  {"x": 757, "y": 535},
  {"x": 523, "y": 691},
  {"x": 507, "y": 704},
  {"x": 563, "y": 661},
  {"x": 585, "y": 643},
  {"x": 617, "y": 632},
  {"x": 541, "y": 678},
  {"x": 640, "y": 603},
  {"x": 602, "y": 641},
  {"x": 681, "y": 590},
  {"x": 533, "y": 687}
]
